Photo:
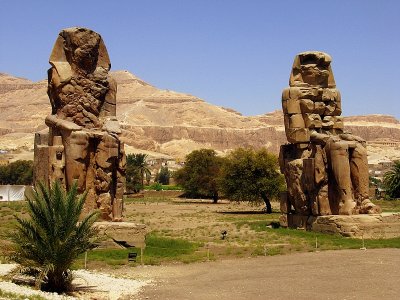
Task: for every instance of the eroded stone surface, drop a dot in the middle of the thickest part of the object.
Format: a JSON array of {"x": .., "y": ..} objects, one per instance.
[
  {"x": 129, "y": 234},
  {"x": 326, "y": 168},
  {"x": 378, "y": 226},
  {"x": 83, "y": 143}
]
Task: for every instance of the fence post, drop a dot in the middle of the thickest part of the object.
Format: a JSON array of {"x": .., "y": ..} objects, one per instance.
[
  {"x": 85, "y": 260},
  {"x": 363, "y": 244},
  {"x": 141, "y": 256}
]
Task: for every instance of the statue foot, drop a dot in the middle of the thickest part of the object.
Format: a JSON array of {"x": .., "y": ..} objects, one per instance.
[
  {"x": 348, "y": 207},
  {"x": 367, "y": 207}
]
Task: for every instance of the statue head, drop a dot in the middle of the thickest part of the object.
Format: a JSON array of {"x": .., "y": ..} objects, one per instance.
[
  {"x": 79, "y": 50},
  {"x": 312, "y": 68},
  {"x": 81, "y": 47}
]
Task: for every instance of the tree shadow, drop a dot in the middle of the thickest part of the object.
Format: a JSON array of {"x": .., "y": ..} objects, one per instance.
[
  {"x": 244, "y": 212},
  {"x": 200, "y": 201}
]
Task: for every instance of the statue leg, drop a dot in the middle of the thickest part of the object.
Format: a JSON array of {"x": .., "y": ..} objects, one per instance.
[
  {"x": 106, "y": 181},
  {"x": 340, "y": 167},
  {"x": 117, "y": 205},
  {"x": 360, "y": 179},
  {"x": 359, "y": 172},
  {"x": 76, "y": 158},
  {"x": 294, "y": 172},
  {"x": 321, "y": 181}
]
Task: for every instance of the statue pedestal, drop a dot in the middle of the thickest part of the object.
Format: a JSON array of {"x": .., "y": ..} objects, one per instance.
[
  {"x": 377, "y": 226},
  {"x": 121, "y": 234}
]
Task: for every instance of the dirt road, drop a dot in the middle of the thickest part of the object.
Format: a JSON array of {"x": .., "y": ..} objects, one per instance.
[{"x": 346, "y": 274}]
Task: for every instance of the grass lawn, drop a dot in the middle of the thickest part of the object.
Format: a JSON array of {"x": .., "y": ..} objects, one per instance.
[
  {"x": 189, "y": 230},
  {"x": 389, "y": 205}
]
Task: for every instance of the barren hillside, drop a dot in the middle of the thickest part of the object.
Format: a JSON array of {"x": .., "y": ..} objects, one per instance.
[{"x": 171, "y": 123}]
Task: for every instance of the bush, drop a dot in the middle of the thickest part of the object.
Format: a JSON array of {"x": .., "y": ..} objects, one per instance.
[
  {"x": 163, "y": 176},
  {"x": 18, "y": 172},
  {"x": 49, "y": 241},
  {"x": 391, "y": 181},
  {"x": 251, "y": 175},
  {"x": 156, "y": 186},
  {"x": 137, "y": 169},
  {"x": 199, "y": 176}
]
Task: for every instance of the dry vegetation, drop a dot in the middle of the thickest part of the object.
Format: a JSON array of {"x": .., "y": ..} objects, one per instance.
[{"x": 189, "y": 230}]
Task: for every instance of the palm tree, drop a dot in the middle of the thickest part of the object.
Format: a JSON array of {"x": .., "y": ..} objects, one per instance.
[
  {"x": 139, "y": 162},
  {"x": 391, "y": 181},
  {"x": 49, "y": 241}
]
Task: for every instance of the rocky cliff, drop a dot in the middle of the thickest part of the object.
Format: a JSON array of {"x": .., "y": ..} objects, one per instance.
[{"x": 171, "y": 123}]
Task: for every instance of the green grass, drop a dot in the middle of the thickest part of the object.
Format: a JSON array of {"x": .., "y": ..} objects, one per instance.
[
  {"x": 15, "y": 206},
  {"x": 159, "y": 187},
  {"x": 157, "y": 246},
  {"x": 112, "y": 257},
  {"x": 146, "y": 200},
  {"x": 161, "y": 249},
  {"x": 8, "y": 210},
  {"x": 158, "y": 249},
  {"x": 249, "y": 234},
  {"x": 389, "y": 205}
]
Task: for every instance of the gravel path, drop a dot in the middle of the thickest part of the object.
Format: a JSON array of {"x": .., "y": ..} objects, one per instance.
[{"x": 89, "y": 285}]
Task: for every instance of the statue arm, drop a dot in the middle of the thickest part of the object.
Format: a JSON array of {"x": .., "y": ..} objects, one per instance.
[
  {"x": 320, "y": 138},
  {"x": 54, "y": 121},
  {"x": 350, "y": 137}
]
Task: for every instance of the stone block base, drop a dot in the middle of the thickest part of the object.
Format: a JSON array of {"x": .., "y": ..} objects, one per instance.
[
  {"x": 378, "y": 226},
  {"x": 121, "y": 234}
]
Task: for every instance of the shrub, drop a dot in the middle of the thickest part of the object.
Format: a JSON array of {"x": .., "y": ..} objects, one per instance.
[{"x": 49, "y": 241}]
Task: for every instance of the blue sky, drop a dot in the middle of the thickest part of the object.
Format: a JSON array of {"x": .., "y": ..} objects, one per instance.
[{"x": 231, "y": 53}]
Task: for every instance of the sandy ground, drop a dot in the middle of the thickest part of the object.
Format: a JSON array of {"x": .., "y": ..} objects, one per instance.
[{"x": 346, "y": 274}]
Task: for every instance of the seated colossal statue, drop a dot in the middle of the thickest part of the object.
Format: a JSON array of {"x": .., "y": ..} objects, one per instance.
[
  {"x": 325, "y": 167},
  {"x": 83, "y": 144}
]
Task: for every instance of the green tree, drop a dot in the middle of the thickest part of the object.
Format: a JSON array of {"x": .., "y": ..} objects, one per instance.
[
  {"x": 391, "y": 181},
  {"x": 136, "y": 169},
  {"x": 200, "y": 173},
  {"x": 49, "y": 241},
  {"x": 251, "y": 175},
  {"x": 133, "y": 179},
  {"x": 163, "y": 176},
  {"x": 17, "y": 172}
]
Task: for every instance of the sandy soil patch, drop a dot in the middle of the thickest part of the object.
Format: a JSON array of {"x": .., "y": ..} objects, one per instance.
[{"x": 345, "y": 274}]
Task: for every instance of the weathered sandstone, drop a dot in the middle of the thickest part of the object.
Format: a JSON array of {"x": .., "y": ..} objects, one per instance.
[
  {"x": 170, "y": 120},
  {"x": 82, "y": 145},
  {"x": 325, "y": 167}
]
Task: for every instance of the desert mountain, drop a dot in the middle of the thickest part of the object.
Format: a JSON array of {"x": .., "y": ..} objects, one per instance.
[{"x": 168, "y": 123}]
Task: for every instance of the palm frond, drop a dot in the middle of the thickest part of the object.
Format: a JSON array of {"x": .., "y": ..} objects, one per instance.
[{"x": 53, "y": 237}]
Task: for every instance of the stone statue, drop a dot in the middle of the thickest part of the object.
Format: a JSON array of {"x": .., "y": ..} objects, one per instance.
[
  {"x": 326, "y": 168},
  {"x": 83, "y": 143}
]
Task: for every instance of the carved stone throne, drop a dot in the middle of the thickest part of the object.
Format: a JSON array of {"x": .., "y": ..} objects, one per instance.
[
  {"x": 82, "y": 144},
  {"x": 326, "y": 168}
]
